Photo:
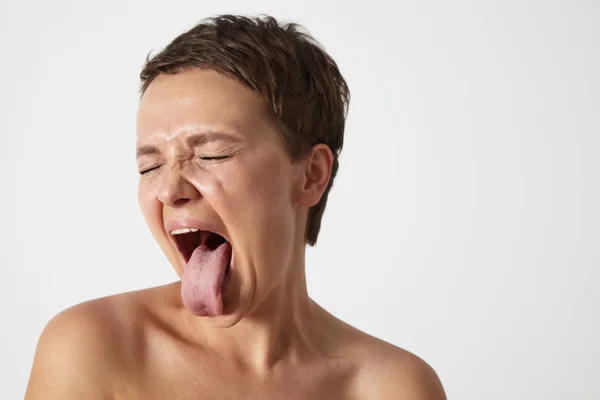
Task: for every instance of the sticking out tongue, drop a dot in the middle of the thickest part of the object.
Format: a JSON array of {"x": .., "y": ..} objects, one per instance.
[{"x": 202, "y": 280}]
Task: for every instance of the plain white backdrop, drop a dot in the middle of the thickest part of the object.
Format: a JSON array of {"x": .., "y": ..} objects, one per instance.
[{"x": 464, "y": 224}]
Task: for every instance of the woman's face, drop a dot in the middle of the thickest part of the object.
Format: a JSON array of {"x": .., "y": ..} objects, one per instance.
[{"x": 211, "y": 157}]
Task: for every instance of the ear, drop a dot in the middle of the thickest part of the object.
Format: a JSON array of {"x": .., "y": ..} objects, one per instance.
[{"x": 317, "y": 173}]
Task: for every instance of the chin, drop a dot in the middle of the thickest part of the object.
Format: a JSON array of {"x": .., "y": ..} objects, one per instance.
[{"x": 236, "y": 306}]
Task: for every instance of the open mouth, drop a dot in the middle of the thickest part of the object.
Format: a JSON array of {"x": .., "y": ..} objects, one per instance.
[{"x": 189, "y": 239}]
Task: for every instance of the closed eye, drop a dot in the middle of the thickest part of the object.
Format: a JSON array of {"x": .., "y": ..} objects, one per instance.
[
  {"x": 145, "y": 171},
  {"x": 209, "y": 158}
]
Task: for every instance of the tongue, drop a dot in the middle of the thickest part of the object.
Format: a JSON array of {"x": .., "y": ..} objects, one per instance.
[{"x": 202, "y": 280}]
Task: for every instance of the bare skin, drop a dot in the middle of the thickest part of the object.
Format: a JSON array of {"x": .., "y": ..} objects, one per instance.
[{"x": 271, "y": 340}]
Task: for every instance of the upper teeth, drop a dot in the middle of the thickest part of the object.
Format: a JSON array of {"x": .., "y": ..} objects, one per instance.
[{"x": 184, "y": 230}]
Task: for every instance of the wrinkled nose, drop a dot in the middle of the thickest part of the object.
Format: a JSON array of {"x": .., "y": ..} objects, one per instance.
[{"x": 174, "y": 189}]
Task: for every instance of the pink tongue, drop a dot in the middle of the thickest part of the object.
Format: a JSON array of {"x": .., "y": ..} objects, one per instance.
[{"x": 203, "y": 278}]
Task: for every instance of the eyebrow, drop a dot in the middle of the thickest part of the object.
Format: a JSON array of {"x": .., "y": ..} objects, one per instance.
[
  {"x": 194, "y": 140},
  {"x": 199, "y": 139},
  {"x": 146, "y": 150}
]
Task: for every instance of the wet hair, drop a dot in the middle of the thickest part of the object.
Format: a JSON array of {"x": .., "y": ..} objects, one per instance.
[{"x": 285, "y": 65}]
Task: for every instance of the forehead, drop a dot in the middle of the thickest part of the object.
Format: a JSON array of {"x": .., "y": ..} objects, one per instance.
[{"x": 198, "y": 98}]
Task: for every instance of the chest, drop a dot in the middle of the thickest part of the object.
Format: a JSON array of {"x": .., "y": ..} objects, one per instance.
[
  {"x": 209, "y": 379},
  {"x": 211, "y": 388}
]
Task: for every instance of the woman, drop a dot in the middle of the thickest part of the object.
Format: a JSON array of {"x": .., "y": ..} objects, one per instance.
[{"x": 239, "y": 129}]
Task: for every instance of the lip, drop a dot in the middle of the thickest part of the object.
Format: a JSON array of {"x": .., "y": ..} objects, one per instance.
[{"x": 195, "y": 223}]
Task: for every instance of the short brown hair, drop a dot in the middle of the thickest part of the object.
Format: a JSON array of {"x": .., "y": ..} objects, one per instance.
[{"x": 298, "y": 80}]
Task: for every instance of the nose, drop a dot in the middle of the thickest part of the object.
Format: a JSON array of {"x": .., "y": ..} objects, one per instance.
[{"x": 174, "y": 189}]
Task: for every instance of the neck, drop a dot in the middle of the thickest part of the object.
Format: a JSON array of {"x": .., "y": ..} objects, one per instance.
[{"x": 279, "y": 329}]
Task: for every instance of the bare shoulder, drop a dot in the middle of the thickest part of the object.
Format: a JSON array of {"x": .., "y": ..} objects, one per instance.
[
  {"x": 84, "y": 349},
  {"x": 390, "y": 372}
]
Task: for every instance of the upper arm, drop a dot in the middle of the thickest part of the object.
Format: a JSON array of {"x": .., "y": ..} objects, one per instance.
[
  {"x": 72, "y": 357},
  {"x": 404, "y": 376},
  {"x": 417, "y": 380}
]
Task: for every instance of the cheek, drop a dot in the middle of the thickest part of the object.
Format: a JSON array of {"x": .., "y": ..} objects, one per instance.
[
  {"x": 145, "y": 197},
  {"x": 152, "y": 210},
  {"x": 259, "y": 197},
  {"x": 261, "y": 188},
  {"x": 150, "y": 206}
]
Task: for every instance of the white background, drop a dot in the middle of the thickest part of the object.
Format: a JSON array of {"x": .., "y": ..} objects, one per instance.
[{"x": 464, "y": 224}]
